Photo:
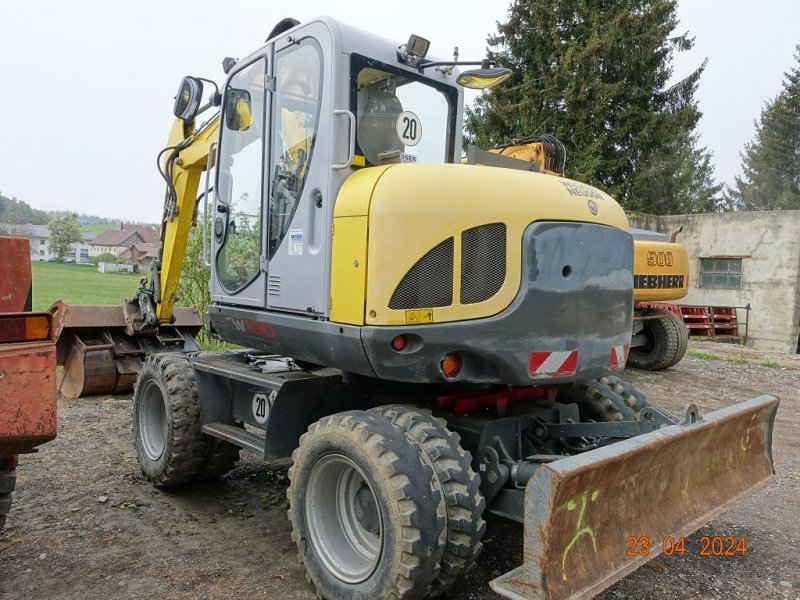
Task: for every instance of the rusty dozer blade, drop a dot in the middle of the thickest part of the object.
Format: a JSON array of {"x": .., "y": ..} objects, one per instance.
[
  {"x": 100, "y": 356},
  {"x": 581, "y": 511}
]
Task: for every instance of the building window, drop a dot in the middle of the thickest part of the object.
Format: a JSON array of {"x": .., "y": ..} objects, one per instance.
[
  {"x": 721, "y": 273},
  {"x": 41, "y": 252},
  {"x": 41, "y": 242}
]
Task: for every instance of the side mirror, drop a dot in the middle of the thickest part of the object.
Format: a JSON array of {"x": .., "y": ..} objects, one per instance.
[
  {"x": 238, "y": 113},
  {"x": 188, "y": 98},
  {"x": 478, "y": 79}
]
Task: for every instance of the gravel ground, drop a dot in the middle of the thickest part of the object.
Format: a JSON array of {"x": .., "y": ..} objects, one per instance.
[{"x": 85, "y": 523}]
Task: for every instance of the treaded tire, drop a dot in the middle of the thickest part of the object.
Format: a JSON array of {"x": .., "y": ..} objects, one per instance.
[
  {"x": 166, "y": 390},
  {"x": 459, "y": 483},
  {"x": 667, "y": 340},
  {"x": 683, "y": 339},
  {"x": 597, "y": 401},
  {"x": 219, "y": 458},
  {"x": 408, "y": 507},
  {"x": 632, "y": 397},
  {"x": 8, "y": 481},
  {"x": 5, "y": 508}
]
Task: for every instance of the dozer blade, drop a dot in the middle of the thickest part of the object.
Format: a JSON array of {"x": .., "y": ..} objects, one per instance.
[
  {"x": 582, "y": 512},
  {"x": 100, "y": 357}
]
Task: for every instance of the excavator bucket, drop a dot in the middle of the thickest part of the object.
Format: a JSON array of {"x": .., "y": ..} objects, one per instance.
[
  {"x": 592, "y": 518},
  {"x": 101, "y": 356}
]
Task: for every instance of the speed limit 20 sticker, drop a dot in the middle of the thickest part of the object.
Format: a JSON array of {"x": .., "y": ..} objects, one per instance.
[
  {"x": 262, "y": 404},
  {"x": 409, "y": 128}
]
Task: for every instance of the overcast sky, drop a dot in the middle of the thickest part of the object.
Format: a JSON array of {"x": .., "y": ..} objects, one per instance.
[{"x": 88, "y": 85}]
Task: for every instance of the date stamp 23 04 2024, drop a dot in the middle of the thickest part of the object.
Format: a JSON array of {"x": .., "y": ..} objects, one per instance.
[{"x": 709, "y": 546}]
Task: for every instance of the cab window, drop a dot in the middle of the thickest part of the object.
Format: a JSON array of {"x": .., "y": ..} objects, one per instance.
[
  {"x": 240, "y": 176},
  {"x": 298, "y": 80},
  {"x": 401, "y": 117}
]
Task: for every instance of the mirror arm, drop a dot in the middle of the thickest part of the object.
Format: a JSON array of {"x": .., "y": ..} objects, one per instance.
[{"x": 484, "y": 64}]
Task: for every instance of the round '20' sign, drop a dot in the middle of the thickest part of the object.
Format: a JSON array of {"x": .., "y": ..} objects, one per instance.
[{"x": 409, "y": 128}]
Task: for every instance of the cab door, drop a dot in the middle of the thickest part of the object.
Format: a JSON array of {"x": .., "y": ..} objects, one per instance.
[
  {"x": 237, "y": 222},
  {"x": 299, "y": 174}
]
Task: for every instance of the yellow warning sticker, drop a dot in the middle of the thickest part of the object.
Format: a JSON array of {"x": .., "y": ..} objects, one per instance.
[
  {"x": 417, "y": 317},
  {"x": 359, "y": 161}
]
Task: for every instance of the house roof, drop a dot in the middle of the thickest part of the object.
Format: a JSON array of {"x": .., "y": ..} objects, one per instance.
[
  {"x": 117, "y": 237},
  {"x": 36, "y": 231},
  {"x": 139, "y": 251}
]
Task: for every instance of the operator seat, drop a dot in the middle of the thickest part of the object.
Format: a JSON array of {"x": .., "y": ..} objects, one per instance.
[{"x": 377, "y": 126}]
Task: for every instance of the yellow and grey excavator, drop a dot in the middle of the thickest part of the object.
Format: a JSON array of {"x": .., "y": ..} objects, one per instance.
[
  {"x": 660, "y": 264},
  {"x": 427, "y": 340}
]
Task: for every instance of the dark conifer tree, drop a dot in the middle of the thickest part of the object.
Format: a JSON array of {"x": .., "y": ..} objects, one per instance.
[{"x": 595, "y": 74}]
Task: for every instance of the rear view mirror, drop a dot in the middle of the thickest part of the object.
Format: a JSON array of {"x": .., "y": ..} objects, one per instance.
[
  {"x": 187, "y": 101},
  {"x": 238, "y": 113}
]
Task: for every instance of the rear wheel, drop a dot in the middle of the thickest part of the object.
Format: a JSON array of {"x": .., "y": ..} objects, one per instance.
[
  {"x": 632, "y": 397},
  {"x": 459, "y": 483},
  {"x": 597, "y": 401},
  {"x": 366, "y": 516},
  {"x": 666, "y": 340}
]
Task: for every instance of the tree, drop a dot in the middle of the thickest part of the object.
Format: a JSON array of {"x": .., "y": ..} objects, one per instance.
[
  {"x": 771, "y": 162},
  {"x": 64, "y": 231},
  {"x": 595, "y": 75},
  {"x": 13, "y": 211}
]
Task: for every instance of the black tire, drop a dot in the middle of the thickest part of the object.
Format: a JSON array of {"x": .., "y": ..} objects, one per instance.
[
  {"x": 166, "y": 394},
  {"x": 219, "y": 458},
  {"x": 597, "y": 401},
  {"x": 683, "y": 339},
  {"x": 666, "y": 341},
  {"x": 5, "y": 508},
  {"x": 8, "y": 481},
  {"x": 459, "y": 483},
  {"x": 362, "y": 457},
  {"x": 632, "y": 397}
]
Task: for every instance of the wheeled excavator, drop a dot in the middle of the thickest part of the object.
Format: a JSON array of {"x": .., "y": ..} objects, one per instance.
[{"x": 428, "y": 341}]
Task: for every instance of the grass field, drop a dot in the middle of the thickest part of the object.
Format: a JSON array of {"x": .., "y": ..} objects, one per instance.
[
  {"x": 96, "y": 228},
  {"x": 79, "y": 284}
]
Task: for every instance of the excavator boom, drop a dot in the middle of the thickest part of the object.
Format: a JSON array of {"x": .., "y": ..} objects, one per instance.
[{"x": 102, "y": 348}]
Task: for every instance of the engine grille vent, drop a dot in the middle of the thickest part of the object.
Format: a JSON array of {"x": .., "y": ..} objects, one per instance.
[
  {"x": 429, "y": 282},
  {"x": 483, "y": 262}
]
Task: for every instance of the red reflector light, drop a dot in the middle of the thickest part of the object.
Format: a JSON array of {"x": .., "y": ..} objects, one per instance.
[
  {"x": 398, "y": 343},
  {"x": 24, "y": 328},
  {"x": 451, "y": 365}
]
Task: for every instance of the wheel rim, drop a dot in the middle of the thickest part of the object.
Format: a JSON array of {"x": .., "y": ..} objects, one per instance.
[
  {"x": 344, "y": 522},
  {"x": 153, "y": 421}
]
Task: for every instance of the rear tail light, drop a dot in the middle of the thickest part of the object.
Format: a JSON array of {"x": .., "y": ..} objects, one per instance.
[
  {"x": 451, "y": 365},
  {"x": 24, "y": 328},
  {"x": 398, "y": 343}
]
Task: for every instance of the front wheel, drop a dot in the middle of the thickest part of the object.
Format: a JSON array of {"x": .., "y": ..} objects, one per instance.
[
  {"x": 166, "y": 420},
  {"x": 367, "y": 517}
]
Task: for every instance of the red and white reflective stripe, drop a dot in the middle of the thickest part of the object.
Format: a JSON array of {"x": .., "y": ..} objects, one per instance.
[
  {"x": 553, "y": 364},
  {"x": 618, "y": 358}
]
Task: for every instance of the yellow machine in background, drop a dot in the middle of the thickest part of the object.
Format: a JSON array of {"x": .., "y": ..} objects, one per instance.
[
  {"x": 660, "y": 264},
  {"x": 660, "y": 275}
]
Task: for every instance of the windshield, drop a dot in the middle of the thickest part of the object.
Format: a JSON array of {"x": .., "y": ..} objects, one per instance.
[{"x": 400, "y": 116}]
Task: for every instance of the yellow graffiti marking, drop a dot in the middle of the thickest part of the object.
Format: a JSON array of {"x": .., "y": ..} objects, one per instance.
[
  {"x": 745, "y": 442},
  {"x": 581, "y": 530}
]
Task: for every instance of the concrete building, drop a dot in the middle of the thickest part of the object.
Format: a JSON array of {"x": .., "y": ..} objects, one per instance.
[{"x": 736, "y": 259}]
